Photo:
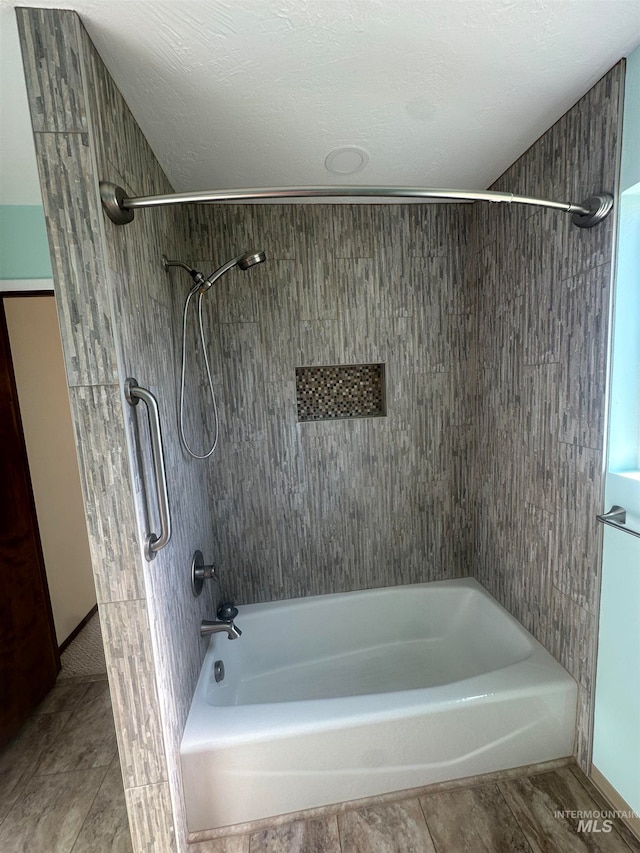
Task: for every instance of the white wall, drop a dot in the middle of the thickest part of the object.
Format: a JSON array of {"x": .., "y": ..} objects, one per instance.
[
  {"x": 25, "y": 285},
  {"x": 44, "y": 406}
]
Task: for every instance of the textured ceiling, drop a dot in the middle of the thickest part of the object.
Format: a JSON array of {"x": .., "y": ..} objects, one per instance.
[{"x": 437, "y": 92}]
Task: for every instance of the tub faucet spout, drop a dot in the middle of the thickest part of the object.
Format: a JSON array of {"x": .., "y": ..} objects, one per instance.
[{"x": 216, "y": 626}]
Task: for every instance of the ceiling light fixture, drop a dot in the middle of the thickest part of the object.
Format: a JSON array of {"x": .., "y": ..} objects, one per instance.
[{"x": 347, "y": 160}]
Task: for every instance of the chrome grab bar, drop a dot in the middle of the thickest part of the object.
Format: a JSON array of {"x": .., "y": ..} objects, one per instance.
[
  {"x": 617, "y": 517},
  {"x": 133, "y": 392}
]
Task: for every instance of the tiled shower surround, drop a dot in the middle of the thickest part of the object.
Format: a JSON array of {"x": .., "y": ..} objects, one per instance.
[
  {"x": 492, "y": 326},
  {"x": 329, "y": 506},
  {"x": 542, "y": 319}
]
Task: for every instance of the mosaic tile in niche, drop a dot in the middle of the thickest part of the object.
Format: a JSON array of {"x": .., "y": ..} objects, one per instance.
[{"x": 340, "y": 391}]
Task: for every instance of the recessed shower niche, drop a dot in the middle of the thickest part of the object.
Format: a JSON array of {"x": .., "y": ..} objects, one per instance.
[{"x": 340, "y": 391}]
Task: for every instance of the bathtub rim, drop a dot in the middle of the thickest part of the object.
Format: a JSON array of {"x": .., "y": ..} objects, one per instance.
[{"x": 235, "y": 724}]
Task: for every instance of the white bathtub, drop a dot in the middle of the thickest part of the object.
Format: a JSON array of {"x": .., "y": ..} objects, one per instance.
[{"x": 340, "y": 697}]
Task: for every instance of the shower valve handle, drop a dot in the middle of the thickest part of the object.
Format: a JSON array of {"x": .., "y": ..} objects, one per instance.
[
  {"x": 200, "y": 573},
  {"x": 205, "y": 573}
]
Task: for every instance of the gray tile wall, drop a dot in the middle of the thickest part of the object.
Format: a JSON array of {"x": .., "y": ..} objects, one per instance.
[
  {"x": 542, "y": 289},
  {"x": 118, "y": 311},
  {"x": 312, "y": 508}
]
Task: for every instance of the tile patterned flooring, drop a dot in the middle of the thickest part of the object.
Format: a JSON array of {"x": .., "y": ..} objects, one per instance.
[
  {"x": 61, "y": 792},
  {"x": 60, "y": 783},
  {"x": 514, "y": 814}
]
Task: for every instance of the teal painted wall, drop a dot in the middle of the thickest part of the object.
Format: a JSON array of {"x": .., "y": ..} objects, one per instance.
[
  {"x": 624, "y": 413},
  {"x": 616, "y": 742},
  {"x": 24, "y": 249}
]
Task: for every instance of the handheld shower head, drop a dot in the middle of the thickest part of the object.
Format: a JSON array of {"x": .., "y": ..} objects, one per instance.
[
  {"x": 200, "y": 287},
  {"x": 244, "y": 261},
  {"x": 250, "y": 259}
]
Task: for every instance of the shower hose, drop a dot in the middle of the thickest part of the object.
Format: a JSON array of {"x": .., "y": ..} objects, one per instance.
[{"x": 183, "y": 439}]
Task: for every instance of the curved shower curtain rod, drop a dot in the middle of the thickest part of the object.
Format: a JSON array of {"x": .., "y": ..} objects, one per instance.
[{"x": 120, "y": 208}]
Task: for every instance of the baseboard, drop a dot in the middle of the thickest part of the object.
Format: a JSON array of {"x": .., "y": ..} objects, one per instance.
[
  {"x": 78, "y": 628},
  {"x": 628, "y": 816}
]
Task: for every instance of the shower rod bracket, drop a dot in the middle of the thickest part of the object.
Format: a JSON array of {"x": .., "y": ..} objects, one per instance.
[
  {"x": 599, "y": 207},
  {"x": 113, "y": 198},
  {"x": 120, "y": 208}
]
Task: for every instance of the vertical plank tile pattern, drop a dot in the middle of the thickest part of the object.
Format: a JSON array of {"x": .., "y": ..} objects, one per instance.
[
  {"x": 543, "y": 295},
  {"x": 593, "y": 129},
  {"x": 73, "y": 219},
  {"x": 136, "y": 708},
  {"x": 572, "y": 637},
  {"x": 584, "y": 729},
  {"x": 120, "y": 316},
  {"x": 109, "y": 500},
  {"x": 583, "y": 316},
  {"x": 150, "y": 819},
  {"x": 52, "y": 68},
  {"x": 368, "y": 293},
  {"x": 154, "y": 686}
]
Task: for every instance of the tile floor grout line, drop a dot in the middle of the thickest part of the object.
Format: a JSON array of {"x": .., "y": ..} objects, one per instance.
[
  {"x": 33, "y": 773},
  {"x": 70, "y": 723},
  {"x": 339, "y": 834},
  {"x": 84, "y": 820},
  {"x": 74, "y": 769},
  {"x": 69, "y": 714},
  {"x": 18, "y": 803},
  {"x": 424, "y": 815},
  {"x": 513, "y": 814},
  {"x": 45, "y": 751}
]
